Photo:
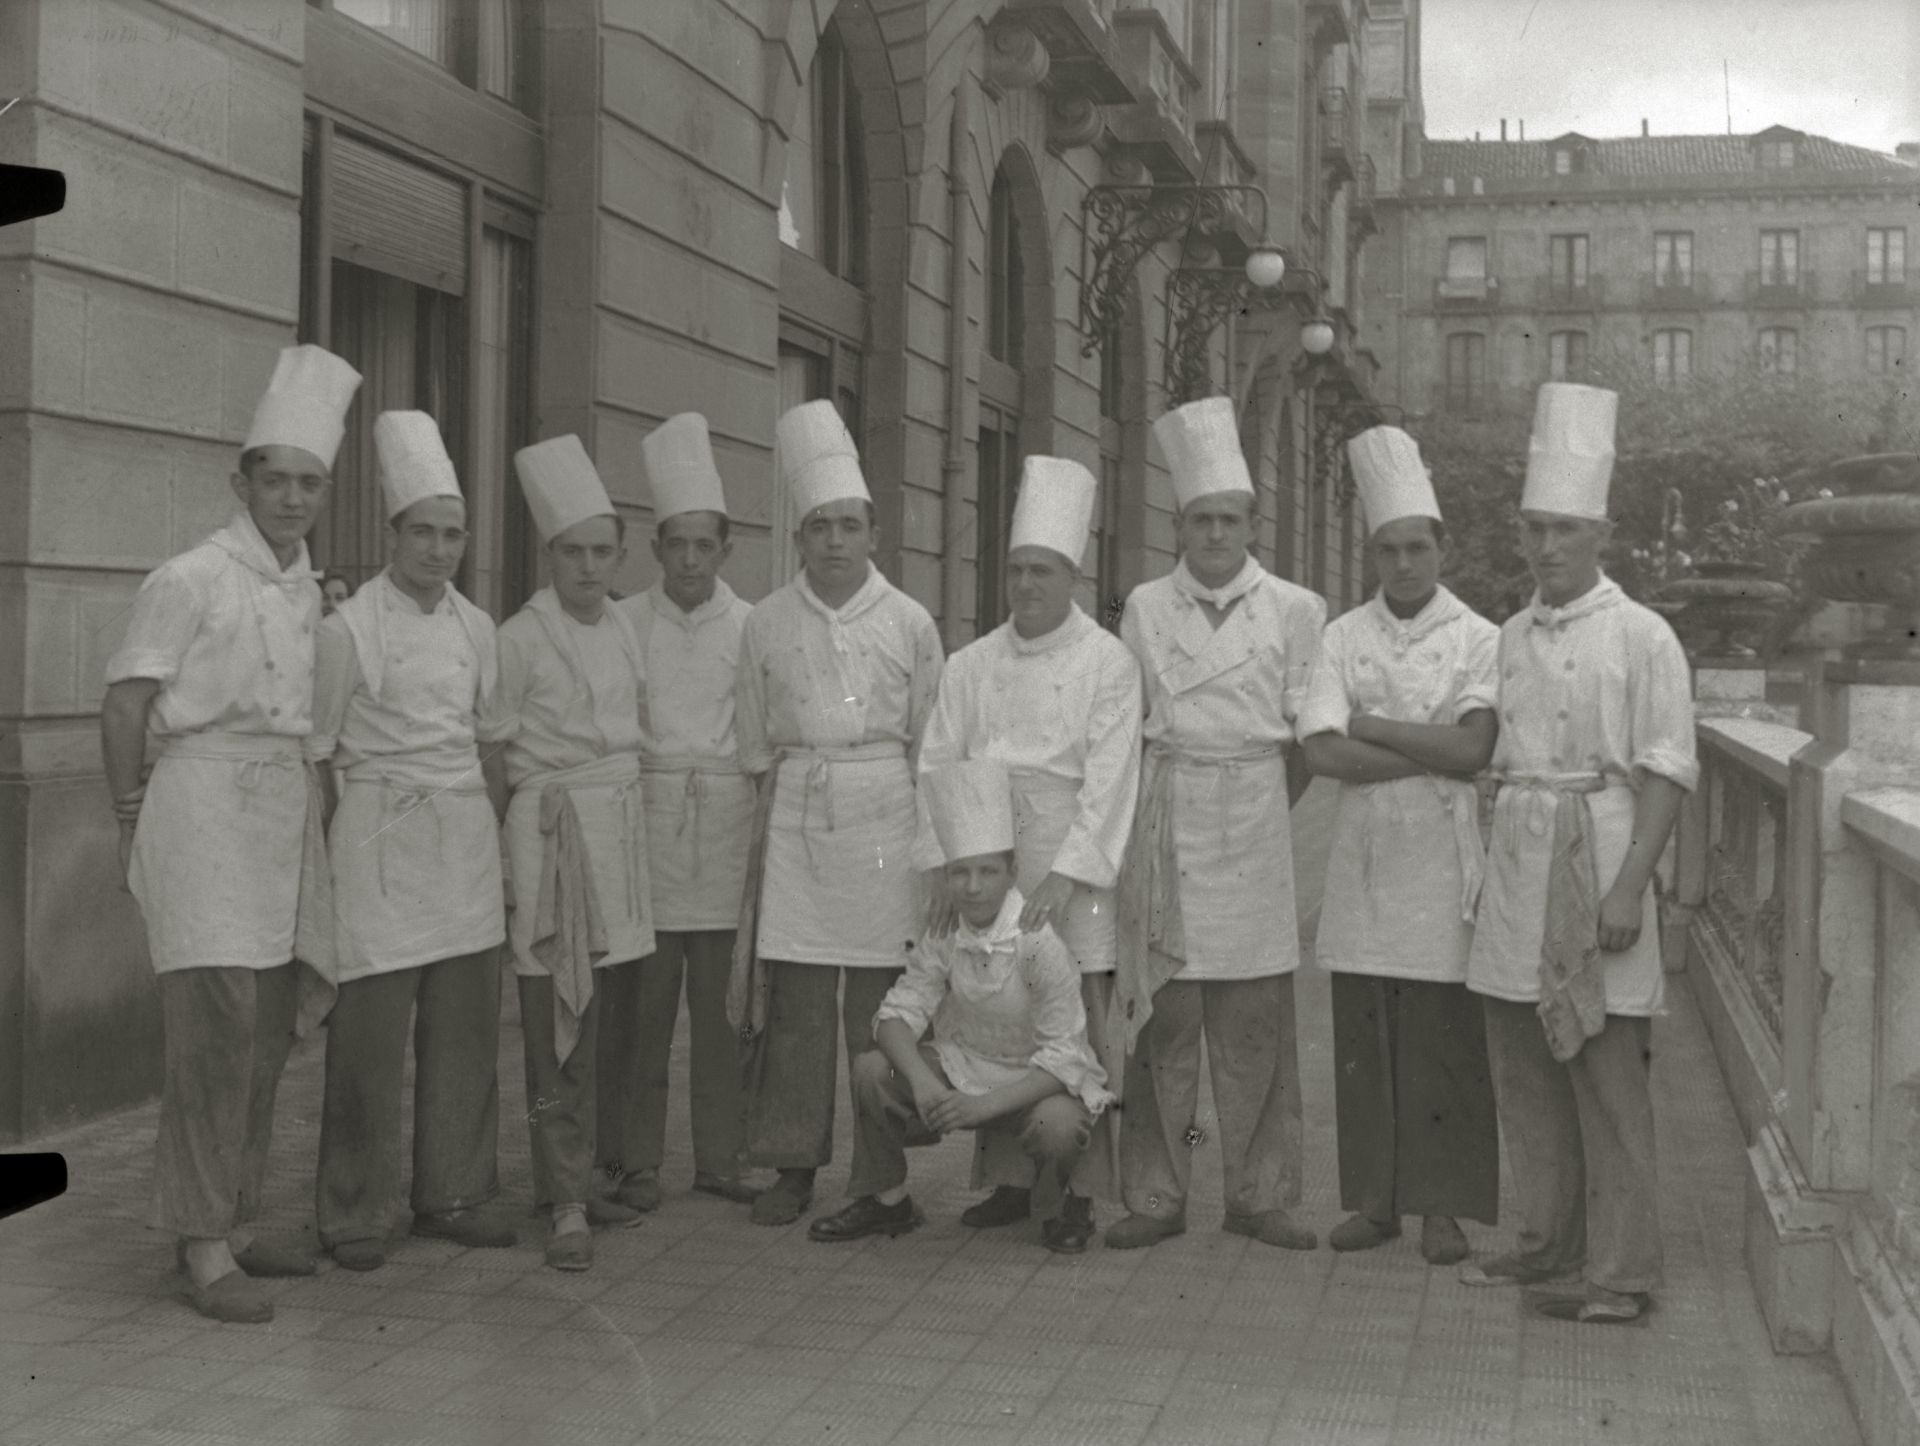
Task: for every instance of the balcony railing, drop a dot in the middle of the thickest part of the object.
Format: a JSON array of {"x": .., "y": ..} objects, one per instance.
[
  {"x": 1559, "y": 293},
  {"x": 1777, "y": 286},
  {"x": 1885, "y": 289},
  {"x": 1743, "y": 781},
  {"x": 1674, "y": 291},
  {"x": 1465, "y": 293}
]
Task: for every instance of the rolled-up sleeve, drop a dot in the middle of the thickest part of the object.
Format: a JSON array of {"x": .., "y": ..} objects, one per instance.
[
  {"x": 929, "y": 660},
  {"x": 1060, "y": 1026},
  {"x": 500, "y": 720},
  {"x": 1305, "y": 622},
  {"x": 1660, "y": 707},
  {"x": 336, "y": 674},
  {"x": 166, "y": 615},
  {"x": 1097, "y": 841},
  {"x": 917, "y": 993},
  {"x": 943, "y": 741},
  {"x": 1326, "y": 707},
  {"x": 1480, "y": 675}
]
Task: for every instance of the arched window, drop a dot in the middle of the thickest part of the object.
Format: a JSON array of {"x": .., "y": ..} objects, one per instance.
[{"x": 823, "y": 261}]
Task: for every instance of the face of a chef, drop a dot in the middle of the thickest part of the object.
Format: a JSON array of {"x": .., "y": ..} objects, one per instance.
[
  {"x": 1563, "y": 554},
  {"x": 429, "y": 539},
  {"x": 979, "y": 886},
  {"x": 836, "y": 539},
  {"x": 283, "y": 489},
  {"x": 691, "y": 547},
  {"x": 1039, "y": 590},
  {"x": 1215, "y": 533},
  {"x": 1407, "y": 554},
  {"x": 334, "y": 590},
  {"x": 583, "y": 560}
]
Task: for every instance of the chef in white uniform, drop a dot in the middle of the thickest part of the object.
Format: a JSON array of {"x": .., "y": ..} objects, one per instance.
[
  {"x": 836, "y": 679},
  {"x": 218, "y": 663},
  {"x": 1400, "y": 711},
  {"x": 405, "y": 673},
  {"x": 1056, "y": 699},
  {"x": 699, "y": 822},
  {"x": 1208, "y": 935},
  {"x": 1596, "y": 752},
  {"x": 569, "y": 707}
]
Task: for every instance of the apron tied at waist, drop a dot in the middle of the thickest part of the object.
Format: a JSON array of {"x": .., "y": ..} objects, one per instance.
[
  {"x": 1152, "y": 932},
  {"x": 400, "y": 797},
  {"x": 253, "y": 754},
  {"x": 1383, "y": 808},
  {"x": 1573, "y": 994},
  {"x": 698, "y": 768},
  {"x": 819, "y": 780}
]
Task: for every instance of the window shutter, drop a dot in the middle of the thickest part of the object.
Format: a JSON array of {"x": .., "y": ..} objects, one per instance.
[{"x": 398, "y": 218}]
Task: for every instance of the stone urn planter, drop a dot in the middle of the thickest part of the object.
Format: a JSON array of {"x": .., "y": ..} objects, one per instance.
[
  {"x": 1727, "y": 611},
  {"x": 1866, "y": 544}
]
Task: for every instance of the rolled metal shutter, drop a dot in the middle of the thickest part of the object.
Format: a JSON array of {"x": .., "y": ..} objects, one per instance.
[{"x": 393, "y": 216}]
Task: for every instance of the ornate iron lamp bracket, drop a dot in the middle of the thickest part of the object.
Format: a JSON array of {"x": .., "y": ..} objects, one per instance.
[
  {"x": 1120, "y": 224},
  {"x": 1199, "y": 298}
]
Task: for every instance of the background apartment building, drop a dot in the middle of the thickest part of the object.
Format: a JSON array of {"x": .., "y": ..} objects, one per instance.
[{"x": 531, "y": 217}]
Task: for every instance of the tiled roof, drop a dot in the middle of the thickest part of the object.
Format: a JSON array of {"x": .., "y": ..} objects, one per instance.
[{"x": 1709, "y": 155}]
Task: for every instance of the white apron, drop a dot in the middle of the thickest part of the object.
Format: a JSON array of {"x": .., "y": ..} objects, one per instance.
[
  {"x": 606, "y": 798},
  {"x": 1402, "y": 876},
  {"x": 416, "y": 871},
  {"x": 1233, "y": 838},
  {"x": 216, "y": 853},
  {"x": 839, "y": 884},
  {"x": 1505, "y": 962},
  {"x": 699, "y": 824},
  {"x": 1045, "y": 806}
]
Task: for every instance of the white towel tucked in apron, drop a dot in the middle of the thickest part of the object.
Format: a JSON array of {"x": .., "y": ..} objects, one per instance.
[
  {"x": 1045, "y": 806},
  {"x": 606, "y": 797}
]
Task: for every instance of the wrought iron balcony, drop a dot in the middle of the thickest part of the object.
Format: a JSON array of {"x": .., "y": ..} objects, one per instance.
[
  {"x": 1777, "y": 286},
  {"x": 1673, "y": 290},
  {"x": 1884, "y": 288},
  {"x": 1561, "y": 293},
  {"x": 1466, "y": 293},
  {"x": 1337, "y": 148}
]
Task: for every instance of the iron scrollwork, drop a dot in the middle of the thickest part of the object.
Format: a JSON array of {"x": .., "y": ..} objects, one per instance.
[
  {"x": 1120, "y": 224},
  {"x": 1199, "y": 298}
]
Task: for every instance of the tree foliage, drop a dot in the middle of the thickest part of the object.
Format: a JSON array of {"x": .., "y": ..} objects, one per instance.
[{"x": 1705, "y": 439}]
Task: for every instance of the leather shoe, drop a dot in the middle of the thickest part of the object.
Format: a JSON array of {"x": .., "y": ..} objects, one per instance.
[
  {"x": 866, "y": 1216},
  {"x": 232, "y": 1298},
  {"x": 1069, "y": 1232},
  {"x": 612, "y": 1214},
  {"x": 1509, "y": 1270},
  {"x": 464, "y": 1227},
  {"x": 572, "y": 1251},
  {"x": 727, "y": 1187},
  {"x": 639, "y": 1191},
  {"x": 1442, "y": 1241},
  {"x": 360, "y": 1254},
  {"x": 1138, "y": 1230},
  {"x": 786, "y": 1200},
  {"x": 1272, "y": 1227},
  {"x": 264, "y": 1258},
  {"x": 1007, "y": 1205},
  {"x": 1357, "y": 1232}
]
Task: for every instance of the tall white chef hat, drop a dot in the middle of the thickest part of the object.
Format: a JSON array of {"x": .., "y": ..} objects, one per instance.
[
  {"x": 561, "y": 484},
  {"x": 1054, "y": 508},
  {"x": 1570, "y": 455},
  {"x": 1201, "y": 441},
  {"x": 680, "y": 468},
  {"x": 305, "y": 404},
  {"x": 414, "y": 464},
  {"x": 1392, "y": 479},
  {"x": 818, "y": 460},
  {"x": 972, "y": 807}
]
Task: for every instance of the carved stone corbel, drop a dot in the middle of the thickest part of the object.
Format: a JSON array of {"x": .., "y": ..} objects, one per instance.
[
  {"x": 1017, "y": 59},
  {"x": 1074, "y": 118}
]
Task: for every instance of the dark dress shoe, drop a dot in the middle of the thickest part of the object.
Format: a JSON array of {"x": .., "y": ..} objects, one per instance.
[
  {"x": 612, "y": 1214},
  {"x": 360, "y": 1254},
  {"x": 727, "y": 1187},
  {"x": 1069, "y": 1232},
  {"x": 866, "y": 1216},
  {"x": 786, "y": 1200},
  {"x": 1007, "y": 1205},
  {"x": 264, "y": 1258},
  {"x": 465, "y": 1227},
  {"x": 639, "y": 1191}
]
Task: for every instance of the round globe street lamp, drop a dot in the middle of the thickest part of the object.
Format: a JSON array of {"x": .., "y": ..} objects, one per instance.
[
  {"x": 1316, "y": 337},
  {"x": 1266, "y": 267}
]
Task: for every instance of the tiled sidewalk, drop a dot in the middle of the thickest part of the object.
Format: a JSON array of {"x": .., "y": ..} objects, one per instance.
[{"x": 698, "y": 1327}]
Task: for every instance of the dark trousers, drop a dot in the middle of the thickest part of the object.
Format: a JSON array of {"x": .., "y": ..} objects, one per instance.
[
  {"x": 226, "y": 1034},
  {"x": 1053, "y": 1132},
  {"x": 1413, "y": 1100},
  {"x": 455, "y": 1004},
  {"x": 639, "y": 1004},
  {"x": 560, "y": 1095},
  {"x": 1580, "y": 1141},
  {"x": 790, "y": 1110}
]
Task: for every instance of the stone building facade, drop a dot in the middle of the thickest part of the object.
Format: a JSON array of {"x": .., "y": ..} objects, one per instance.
[{"x": 531, "y": 217}]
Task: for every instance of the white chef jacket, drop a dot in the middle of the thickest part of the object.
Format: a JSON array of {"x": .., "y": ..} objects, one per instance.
[
  {"x": 1598, "y": 688},
  {"x": 228, "y": 634},
  {"x": 572, "y": 718},
  {"x": 414, "y": 844},
  {"x": 1404, "y": 871},
  {"x": 1223, "y": 701},
  {"x": 1001, "y": 1001},
  {"x": 845, "y": 694},
  {"x": 699, "y": 799},
  {"x": 1062, "y": 712}
]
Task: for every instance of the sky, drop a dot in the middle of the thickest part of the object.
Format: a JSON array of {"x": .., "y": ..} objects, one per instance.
[{"x": 1848, "y": 69}]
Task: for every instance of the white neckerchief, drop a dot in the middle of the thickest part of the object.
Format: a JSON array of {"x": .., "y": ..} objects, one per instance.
[
  {"x": 1068, "y": 632},
  {"x": 1603, "y": 594},
  {"x": 664, "y": 606},
  {"x": 1442, "y": 608},
  {"x": 1235, "y": 588},
  {"x": 242, "y": 540},
  {"x": 983, "y": 958},
  {"x": 836, "y": 619}
]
